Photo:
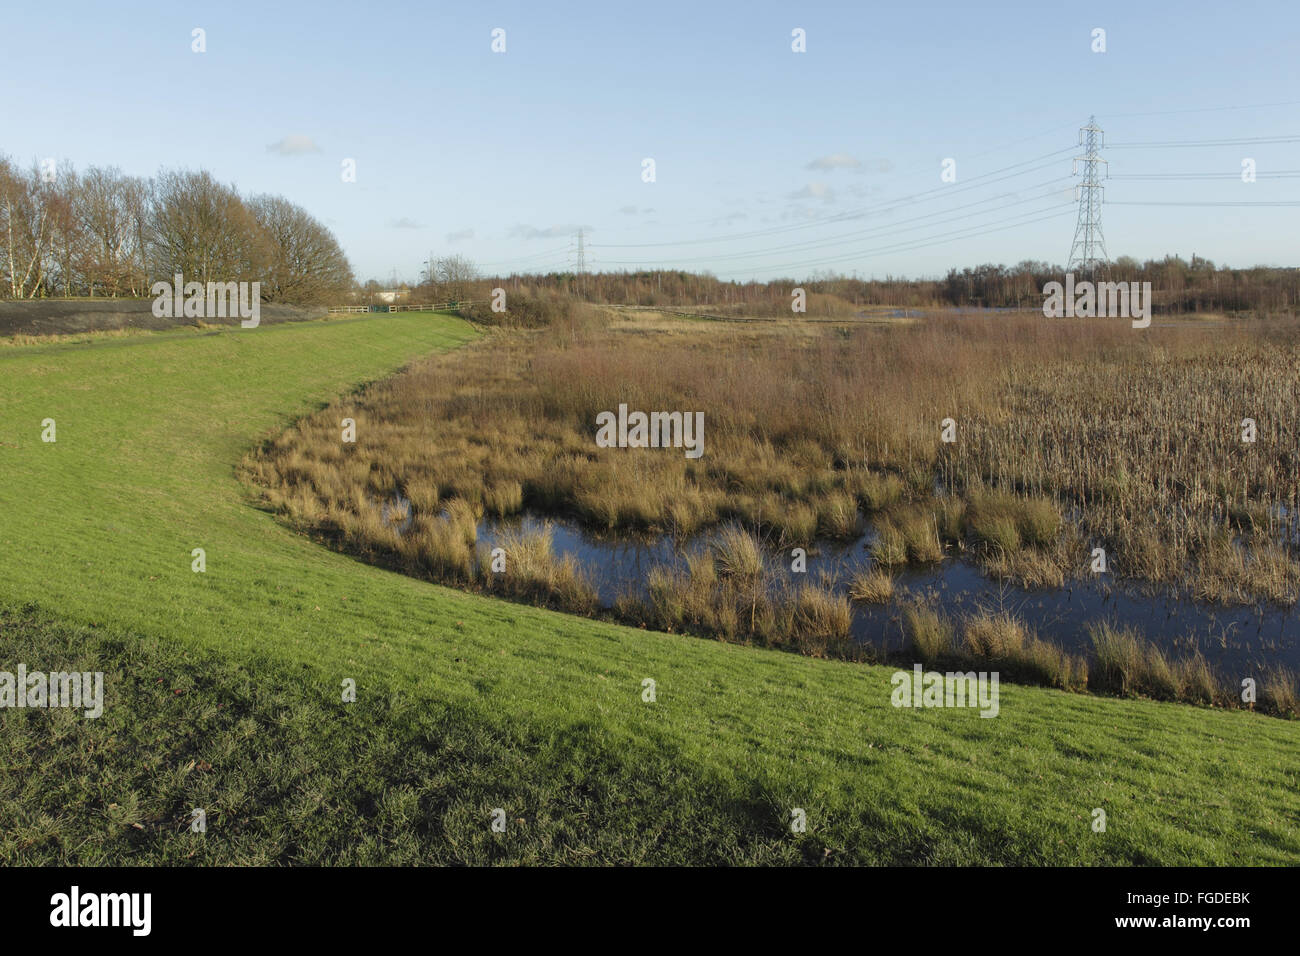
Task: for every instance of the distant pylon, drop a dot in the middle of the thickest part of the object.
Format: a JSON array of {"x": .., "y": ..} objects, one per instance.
[
  {"x": 1089, "y": 249},
  {"x": 582, "y": 255}
]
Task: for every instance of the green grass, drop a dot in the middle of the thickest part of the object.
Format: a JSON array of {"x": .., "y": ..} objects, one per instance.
[{"x": 466, "y": 703}]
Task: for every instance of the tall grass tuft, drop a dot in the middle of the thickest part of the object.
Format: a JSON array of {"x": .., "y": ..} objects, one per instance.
[
  {"x": 929, "y": 633},
  {"x": 737, "y": 554},
  {"x": 1120, "y": 661},
  {"x": 533, "y": 572}
]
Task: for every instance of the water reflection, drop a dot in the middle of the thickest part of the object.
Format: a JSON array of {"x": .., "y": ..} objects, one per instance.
[{"x": 1234, "y": 639}]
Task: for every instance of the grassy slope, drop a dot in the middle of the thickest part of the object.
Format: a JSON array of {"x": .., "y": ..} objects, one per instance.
[{"x": 467, "y": 703}]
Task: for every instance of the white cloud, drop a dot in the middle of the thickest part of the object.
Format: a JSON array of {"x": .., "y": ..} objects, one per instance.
[
  {"x": 522, "y": 231},
  {"x": 827, "y": 164},
  {"x": 460, "y": 236},
  {"x": 294, "y": 144},
  {"x": 834, "y": 161},
  {"x": 815, "y": 191}
]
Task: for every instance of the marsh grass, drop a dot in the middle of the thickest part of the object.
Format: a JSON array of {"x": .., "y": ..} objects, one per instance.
[
  {"x": 821, "y": 620},
  {"x": 1049, "y": 426},
  {"x": 1000, "y": 638},
  {"x": 879, "y": 491},
  {"x": 534, "y": 573},
  {"x": 737, "y": 554},
  {"x": 1280, "y": 691},
  {"x": 930, "y": 634},
  {"x": 872, "y": 586},
  {"x": 889, "y": 550},
  {"x": 1128, "y": 665},
  {"x": 1134, "y": 438},
  {"x": 1120, "y": 660}
]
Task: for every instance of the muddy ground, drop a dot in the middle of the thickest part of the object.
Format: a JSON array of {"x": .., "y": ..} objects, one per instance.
[{"x": 68, "y": 317}]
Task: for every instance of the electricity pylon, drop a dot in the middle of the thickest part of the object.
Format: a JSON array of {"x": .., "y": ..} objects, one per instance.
[{"x": 1088, "y": 252}]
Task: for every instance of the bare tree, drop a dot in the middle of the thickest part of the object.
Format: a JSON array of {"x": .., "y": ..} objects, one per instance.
[
  {"x": 307, "y": 264},
  {"x": 67, "y": 250},
  {"x": 25, "y": 220},
  {"x": 139, "y": 200},
  {"x": 202, "y": 229},
  {"x": 105, "y": 214},
  {"x": 455, "y": 277}
]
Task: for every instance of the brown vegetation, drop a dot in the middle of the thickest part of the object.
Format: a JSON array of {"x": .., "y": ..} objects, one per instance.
[
  {"x": 1069, "y": 436},
  {"x": 100, "y": 232}
]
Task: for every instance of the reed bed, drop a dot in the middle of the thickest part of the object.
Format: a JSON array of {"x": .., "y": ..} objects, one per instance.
[
  {"x": 1069, "y": 437},
  {"x": 1126, "y": 442}
]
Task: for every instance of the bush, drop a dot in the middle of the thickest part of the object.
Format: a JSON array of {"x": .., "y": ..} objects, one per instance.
[{"x": 523, "y": 311}]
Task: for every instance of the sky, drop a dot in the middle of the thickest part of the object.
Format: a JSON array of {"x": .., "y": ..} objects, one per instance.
[{"x": 768, "y": 163}]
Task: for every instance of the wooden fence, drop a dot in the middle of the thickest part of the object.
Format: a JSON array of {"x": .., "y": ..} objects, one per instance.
[{"x": 363, "y": 309}]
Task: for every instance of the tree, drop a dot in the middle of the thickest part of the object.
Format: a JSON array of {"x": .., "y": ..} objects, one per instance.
[
  {"x": 307, "y": 264},
  {"x": 104, "y": 207},
  {"x": 67, "y": 249},
  {"x": 138, "y": 195},
  {"x": 202, "y": 229},
  {"x": 455, "y": 277},
  {"x": 25, "y": 227}
]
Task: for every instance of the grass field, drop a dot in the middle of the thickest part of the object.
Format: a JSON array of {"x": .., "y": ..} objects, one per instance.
[{"x": 223, "y": 688}]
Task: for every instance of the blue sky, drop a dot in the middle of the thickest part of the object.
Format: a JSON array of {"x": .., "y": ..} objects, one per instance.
[{"x": 502, "y": 156}]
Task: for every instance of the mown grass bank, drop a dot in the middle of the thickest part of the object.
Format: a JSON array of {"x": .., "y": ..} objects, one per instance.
[{"x": 465, "y": 704}]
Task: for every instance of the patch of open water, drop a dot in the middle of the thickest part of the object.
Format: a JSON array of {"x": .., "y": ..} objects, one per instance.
[{"x": 1233, "y": 639}]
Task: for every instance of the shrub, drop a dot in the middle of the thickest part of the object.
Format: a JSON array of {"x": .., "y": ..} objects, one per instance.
[{"x": 523, "y": 311}]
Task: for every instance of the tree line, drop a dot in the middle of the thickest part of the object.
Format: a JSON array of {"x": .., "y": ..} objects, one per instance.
[
  {"x": 1177, "y": 286},
  {"x": 101, "y": 232}
]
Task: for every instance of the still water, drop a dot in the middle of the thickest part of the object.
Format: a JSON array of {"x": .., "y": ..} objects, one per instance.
[{"x": 1231, "y": 638}]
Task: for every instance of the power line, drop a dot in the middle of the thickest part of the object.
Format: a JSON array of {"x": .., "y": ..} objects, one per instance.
[
  {"x": 534, "y": 255},
  {"x": 1207, "y": 109},
  {"x": 995, "y": 149},
  {"x": 1243, "y": 203},
  {"x": 859, "y": 213},
  {"x": 1087, "y": 251},
  {"x": 887, "y": 230},
  {"x": 1193, "y": 143},
  {"x": 1156, "y": 177},
  {"x": 924, "y": 242}
]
